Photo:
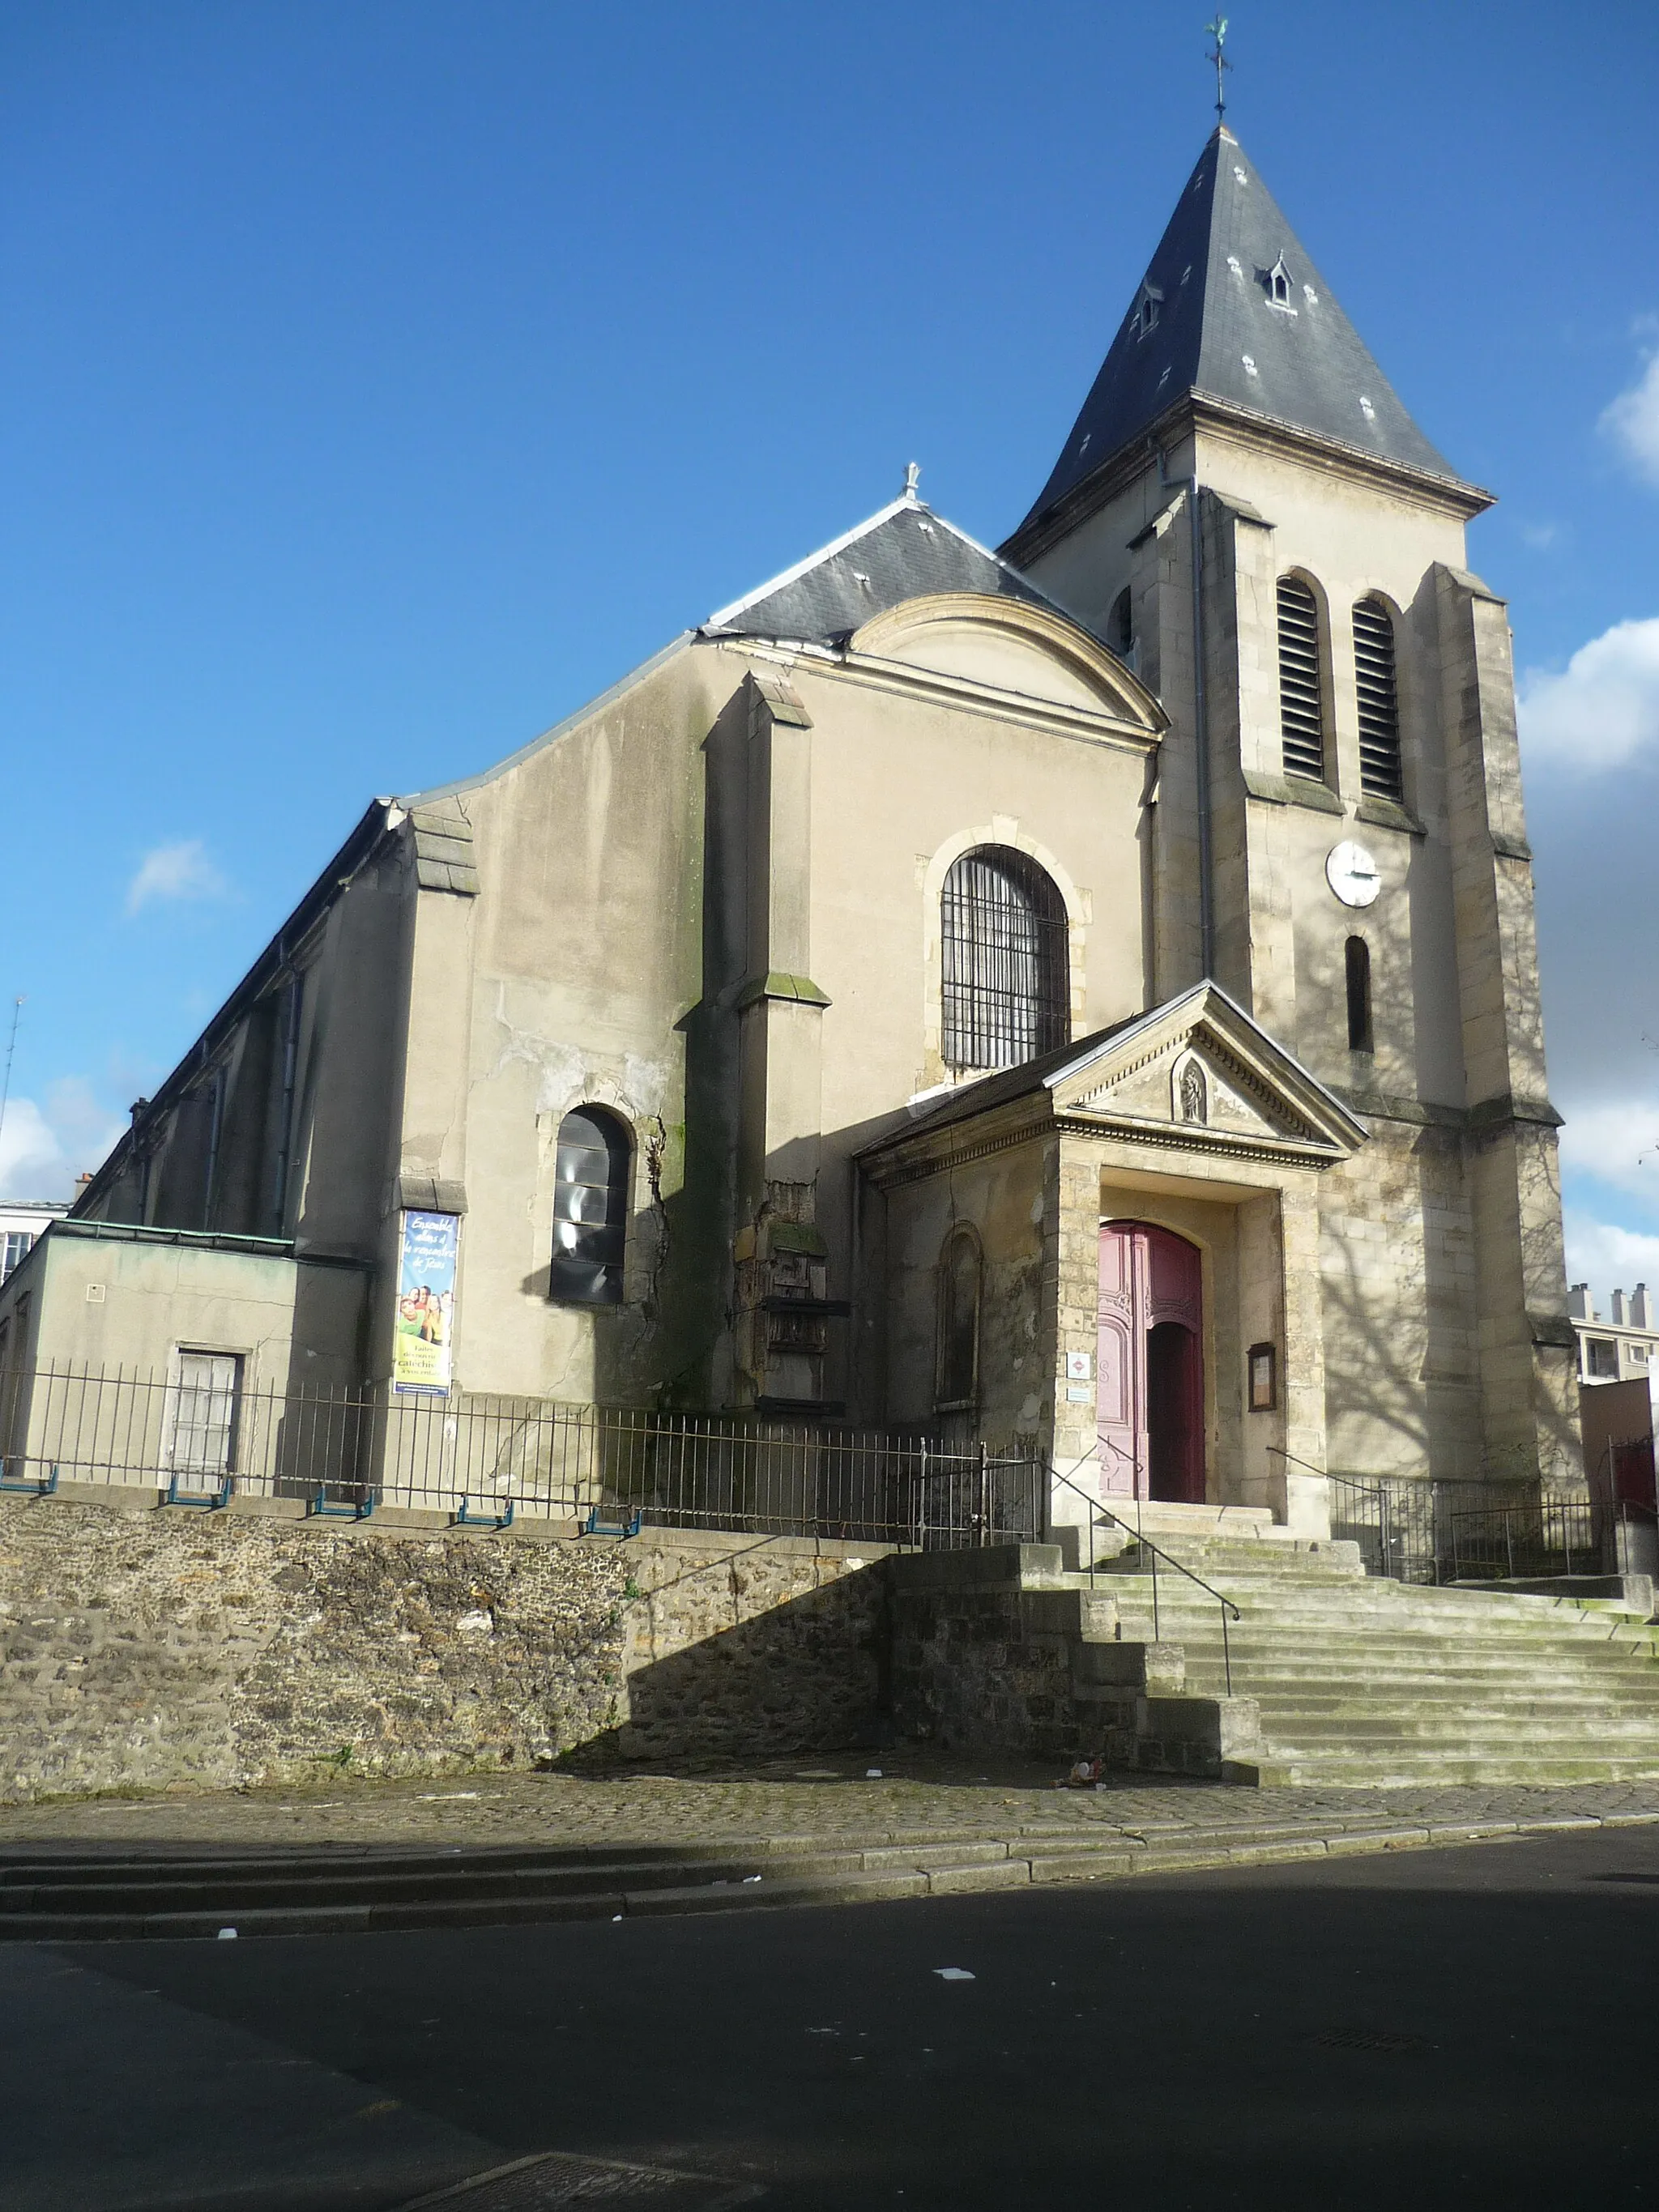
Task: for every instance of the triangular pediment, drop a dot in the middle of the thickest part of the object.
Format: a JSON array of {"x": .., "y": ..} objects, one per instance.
[{"x": 1200, "y": 1069}]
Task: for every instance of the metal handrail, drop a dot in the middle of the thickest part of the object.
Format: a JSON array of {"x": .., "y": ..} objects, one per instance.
[
  {"x": 1280, "y": 1452},
  {"x": 1158, "y": 1553}
]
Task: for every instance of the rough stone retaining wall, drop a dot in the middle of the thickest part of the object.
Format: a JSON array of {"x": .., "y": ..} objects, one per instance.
[
  {"x": 968, "y": 1670},
  {"x": 147, "y": 1646}
]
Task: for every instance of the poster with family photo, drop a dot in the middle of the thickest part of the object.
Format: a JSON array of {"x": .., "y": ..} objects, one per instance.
[{"x": 426, "y": 1303}]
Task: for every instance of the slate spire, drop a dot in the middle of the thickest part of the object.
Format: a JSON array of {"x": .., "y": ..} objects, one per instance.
[{"x": 1232, "y": 308}]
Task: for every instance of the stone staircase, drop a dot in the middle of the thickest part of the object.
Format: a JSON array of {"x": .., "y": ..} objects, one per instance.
[
  {"x": 1337, "y": 1677},
  {"x": 1354, "y": 1679}
]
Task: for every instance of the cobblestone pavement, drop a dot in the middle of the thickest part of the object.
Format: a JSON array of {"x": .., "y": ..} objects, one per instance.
[{"x": 916, "y": 1797}]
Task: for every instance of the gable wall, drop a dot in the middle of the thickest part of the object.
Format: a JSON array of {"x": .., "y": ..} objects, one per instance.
[{"x": 571, "y": 978}]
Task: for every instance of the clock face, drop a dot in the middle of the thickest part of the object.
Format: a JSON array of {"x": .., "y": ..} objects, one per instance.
[{"x": 1352, "y": 873}]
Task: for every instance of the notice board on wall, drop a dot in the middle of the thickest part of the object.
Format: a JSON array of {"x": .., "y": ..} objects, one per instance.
[{"x": 423, "y": 1342}]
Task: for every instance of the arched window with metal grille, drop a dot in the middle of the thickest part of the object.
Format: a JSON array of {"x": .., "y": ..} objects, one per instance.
[
  {"x": 1006, "y": 968},
  {"x": 1301, "y": 682},
  {"x": 589, "y": 1208},
  {"x": 1378, "y": 684}
]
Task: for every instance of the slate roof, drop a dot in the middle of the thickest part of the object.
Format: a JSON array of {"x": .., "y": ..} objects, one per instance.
[
  {"x": 902, "y": 553},
  {"x": 1217, "y": 333}
]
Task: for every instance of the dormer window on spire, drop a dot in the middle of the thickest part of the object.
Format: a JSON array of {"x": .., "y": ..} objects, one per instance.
[
  {"x": 1279, "y": 285},
  {"x": 1147, "y": 312}
]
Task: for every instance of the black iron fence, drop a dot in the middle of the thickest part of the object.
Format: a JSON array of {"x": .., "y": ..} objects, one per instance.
[
  {"x": 1542, "y": 1538},
  {"x": 202, "y": 1436},
  {"x": 1426, "y": 1532},
  {"x": 1394, "y": 1523}
]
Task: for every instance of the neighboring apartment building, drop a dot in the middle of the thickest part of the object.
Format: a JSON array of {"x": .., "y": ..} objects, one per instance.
[
  {"x": 22, "y": 1222},
  {"x": 1086, "y": 993},
  {"x": 1620, "y": 1350}
]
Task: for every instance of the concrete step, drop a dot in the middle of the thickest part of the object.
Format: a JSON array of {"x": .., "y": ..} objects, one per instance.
[
  {"x": 1610, "y": 1734},
  {"x": 1297, "y": 1647},
  {"x": 1375, "y": 1600},
  {"x": 1263, "y": 1625},
  {"x": 1638, "y": 1700},
  {"x": 1398, "y": 1769},
  {"x": 107, "y": 1897}
]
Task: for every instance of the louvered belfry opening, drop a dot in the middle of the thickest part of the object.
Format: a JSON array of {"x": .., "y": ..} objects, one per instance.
[
  {"x": 1379, "y": 701},
  {"x": 1006, "y": 967},
  {"x": 1301, "y": 696}
]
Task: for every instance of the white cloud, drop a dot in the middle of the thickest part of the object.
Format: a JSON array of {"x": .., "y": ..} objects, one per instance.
[
  {"x": 31, "y": 1158},
  {"x": 1539, "y": 536},
  {"x": 42, "y": 1150},
  {"x": 1608, "y": 1258},
  {"x": 1617, "y": 1142},
  {"x": 1602, "y": 708},
  {"x": 1633, "y": 421},
  {"x": 179, "y": 871}
]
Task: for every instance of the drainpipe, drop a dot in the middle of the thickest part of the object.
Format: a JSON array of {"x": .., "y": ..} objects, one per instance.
[{"x": 285, "y": 1130}]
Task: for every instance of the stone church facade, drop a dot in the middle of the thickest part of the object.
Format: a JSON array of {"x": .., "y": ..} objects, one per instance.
[{"x": 1081, "y": 996}]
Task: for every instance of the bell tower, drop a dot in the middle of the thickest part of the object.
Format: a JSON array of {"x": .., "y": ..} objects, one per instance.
[{"x": 1245, "y": 511}]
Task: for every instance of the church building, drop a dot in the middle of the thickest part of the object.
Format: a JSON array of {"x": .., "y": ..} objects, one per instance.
[{"x": 1080, "y": 996}]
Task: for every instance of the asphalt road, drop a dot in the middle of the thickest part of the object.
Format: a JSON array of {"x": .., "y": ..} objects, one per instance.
[{"x": 1465, "y": 2028}]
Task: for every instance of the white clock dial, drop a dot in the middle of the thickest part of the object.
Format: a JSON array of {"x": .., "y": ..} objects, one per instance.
[{"x": 1352, "y": 873}]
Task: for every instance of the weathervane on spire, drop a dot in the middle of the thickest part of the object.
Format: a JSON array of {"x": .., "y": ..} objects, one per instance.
[{"x": 1217, "y": 31}]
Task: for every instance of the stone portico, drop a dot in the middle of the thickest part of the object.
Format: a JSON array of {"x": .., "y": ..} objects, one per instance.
[{"x": 1189, "y": 1120}]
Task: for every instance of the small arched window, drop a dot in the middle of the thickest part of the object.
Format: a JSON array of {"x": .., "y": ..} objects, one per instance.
[
  {"x": 960, "y": 1280},
  {"x": 1359, "y": 995},
  {"x": 1301, "y": 687},
  {"x": 1378, "y": 680},
  {"x": 589, "y": 1208},
  {"x": 1007, "y": 972}
]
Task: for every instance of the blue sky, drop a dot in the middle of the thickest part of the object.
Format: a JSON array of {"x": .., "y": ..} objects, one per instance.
[{"x": 380, "y": 382}]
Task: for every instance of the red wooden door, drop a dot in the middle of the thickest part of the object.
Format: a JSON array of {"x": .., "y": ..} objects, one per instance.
[{"x": 1149, "y": 1364}]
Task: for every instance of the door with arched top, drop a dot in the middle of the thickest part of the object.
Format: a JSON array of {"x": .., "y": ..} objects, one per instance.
[{"x": 1150, "y": 1363}]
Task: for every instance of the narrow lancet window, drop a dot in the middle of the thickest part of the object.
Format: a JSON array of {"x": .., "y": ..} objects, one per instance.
[
  {"x": 1359, "y": 995},
  {"x": 1378, "y": 685},
  {"x": 1120, "y": 627},
  {"x": 1301, "y": 690},
  {"x": 957, "y": 1373},
  {"x": 1004, "y": 945}
]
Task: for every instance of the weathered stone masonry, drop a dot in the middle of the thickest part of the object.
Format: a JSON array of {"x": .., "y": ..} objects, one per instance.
[{"x": 142, "y": 1647}]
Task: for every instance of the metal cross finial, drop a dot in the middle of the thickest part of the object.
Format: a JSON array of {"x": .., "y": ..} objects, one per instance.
[
  {"x": 912, "y": 478},
  {"x": 1217, "y": 31}
]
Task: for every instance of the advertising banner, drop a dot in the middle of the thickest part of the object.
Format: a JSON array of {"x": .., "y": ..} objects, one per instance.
[{"x": 426, "y": 1303}]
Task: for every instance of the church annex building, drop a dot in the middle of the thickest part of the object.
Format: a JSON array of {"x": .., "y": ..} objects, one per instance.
[{"x": 1080, "y": 997}]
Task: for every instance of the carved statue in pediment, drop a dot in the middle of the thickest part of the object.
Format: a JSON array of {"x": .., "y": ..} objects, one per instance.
[{"x": 1194, "y": 1093}]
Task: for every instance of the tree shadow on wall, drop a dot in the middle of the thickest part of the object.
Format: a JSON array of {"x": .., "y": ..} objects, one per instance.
[
  {"x": 1380, "y": 1405},
  {"x": 809, "y": 1673}
]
